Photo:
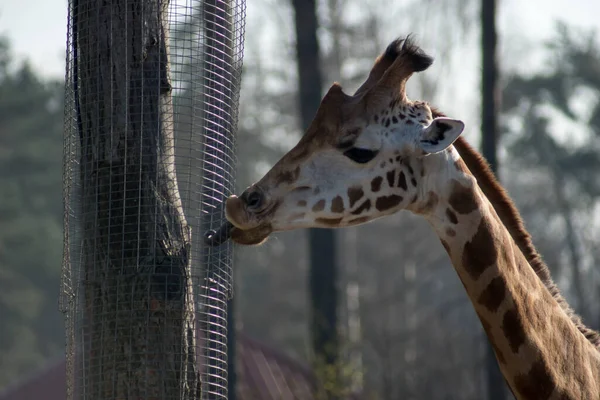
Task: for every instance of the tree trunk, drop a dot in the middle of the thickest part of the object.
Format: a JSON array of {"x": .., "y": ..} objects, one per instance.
[
  {"x": 490, "y": 99},
  {"x": 323, "y": 273},
  {"x": 139, "y": 317},
  {"x": 349, "y": 303}
]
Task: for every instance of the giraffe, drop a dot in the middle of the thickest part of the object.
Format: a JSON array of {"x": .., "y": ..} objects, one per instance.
[{"x": 377, "y": 152}]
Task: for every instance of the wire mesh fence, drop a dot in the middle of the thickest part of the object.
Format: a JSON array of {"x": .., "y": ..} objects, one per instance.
[{"x": 149, "y": 156}]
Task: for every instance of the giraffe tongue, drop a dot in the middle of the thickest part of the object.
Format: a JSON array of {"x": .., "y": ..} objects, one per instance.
[{"x": 216, "y": 238}]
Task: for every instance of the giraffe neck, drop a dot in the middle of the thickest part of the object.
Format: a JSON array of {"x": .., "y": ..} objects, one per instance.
[{"x": 540, "y": 351}]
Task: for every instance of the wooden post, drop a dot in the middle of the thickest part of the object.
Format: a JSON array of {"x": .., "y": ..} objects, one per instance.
[{"x": 138, "y": 322}]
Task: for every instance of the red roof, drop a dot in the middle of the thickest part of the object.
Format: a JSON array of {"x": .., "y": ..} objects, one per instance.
[
  {"x": 263, "y": 374},
  {"x": 49, "y": 383}
]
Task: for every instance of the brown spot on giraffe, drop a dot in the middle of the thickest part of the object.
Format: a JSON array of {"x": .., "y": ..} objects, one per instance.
[
  {"x": 386, "y": 202},
  {"x": 512, "y": 326},
  {"x": 365, "y": 206},
  {"x": 329, "y": 221},
  {"x": 451, "y": 216},
  {"x": 302, "y": 203},
  {"x": 450, "y": 232},
  {"x": 337, "y": 205},
  {"x": 376, "y": 184},
  {"x": 537, "y": 383},
  {"x": 480, "y": 252},
  {"x": 402, "y": 181},
  {"x": 391, "y": 177},
  {"x": 319, "y": 205},
  {"x": 493, "y": 295},
  {"x": 355, "y": 194},
  {"x": 462, "y": 199},
  {"x": 288, "y": 176}
]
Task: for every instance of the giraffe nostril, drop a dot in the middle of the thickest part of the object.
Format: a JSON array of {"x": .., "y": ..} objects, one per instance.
[{"x": 253, "y": 199}]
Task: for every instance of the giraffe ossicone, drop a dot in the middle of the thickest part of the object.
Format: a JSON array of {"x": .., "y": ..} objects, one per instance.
[{"x": 375, "y": 153}]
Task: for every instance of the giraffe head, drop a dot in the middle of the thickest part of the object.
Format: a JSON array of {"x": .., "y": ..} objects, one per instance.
[{"x": 363, "y": 157}]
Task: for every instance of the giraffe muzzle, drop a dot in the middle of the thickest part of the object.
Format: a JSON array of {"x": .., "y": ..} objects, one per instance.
[{"x": 240, "y": 226}]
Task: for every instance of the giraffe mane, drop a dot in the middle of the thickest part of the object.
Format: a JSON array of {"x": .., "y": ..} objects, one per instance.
[{"x": 511, "y": 218}]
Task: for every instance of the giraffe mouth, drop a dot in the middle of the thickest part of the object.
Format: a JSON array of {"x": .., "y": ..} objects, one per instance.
[
  {"x": 226, "y": 231},
  {"x": 251, "y": 237}
]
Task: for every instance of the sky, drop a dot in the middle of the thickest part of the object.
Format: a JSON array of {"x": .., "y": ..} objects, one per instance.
[{"x": 38, "y": 31}]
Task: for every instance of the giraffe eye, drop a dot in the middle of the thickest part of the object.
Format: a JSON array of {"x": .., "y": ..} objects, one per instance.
[{"x": 361, "y": 156}]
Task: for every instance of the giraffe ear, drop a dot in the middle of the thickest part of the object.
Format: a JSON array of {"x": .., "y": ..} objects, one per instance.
[{"x": 440, "y": 134}]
